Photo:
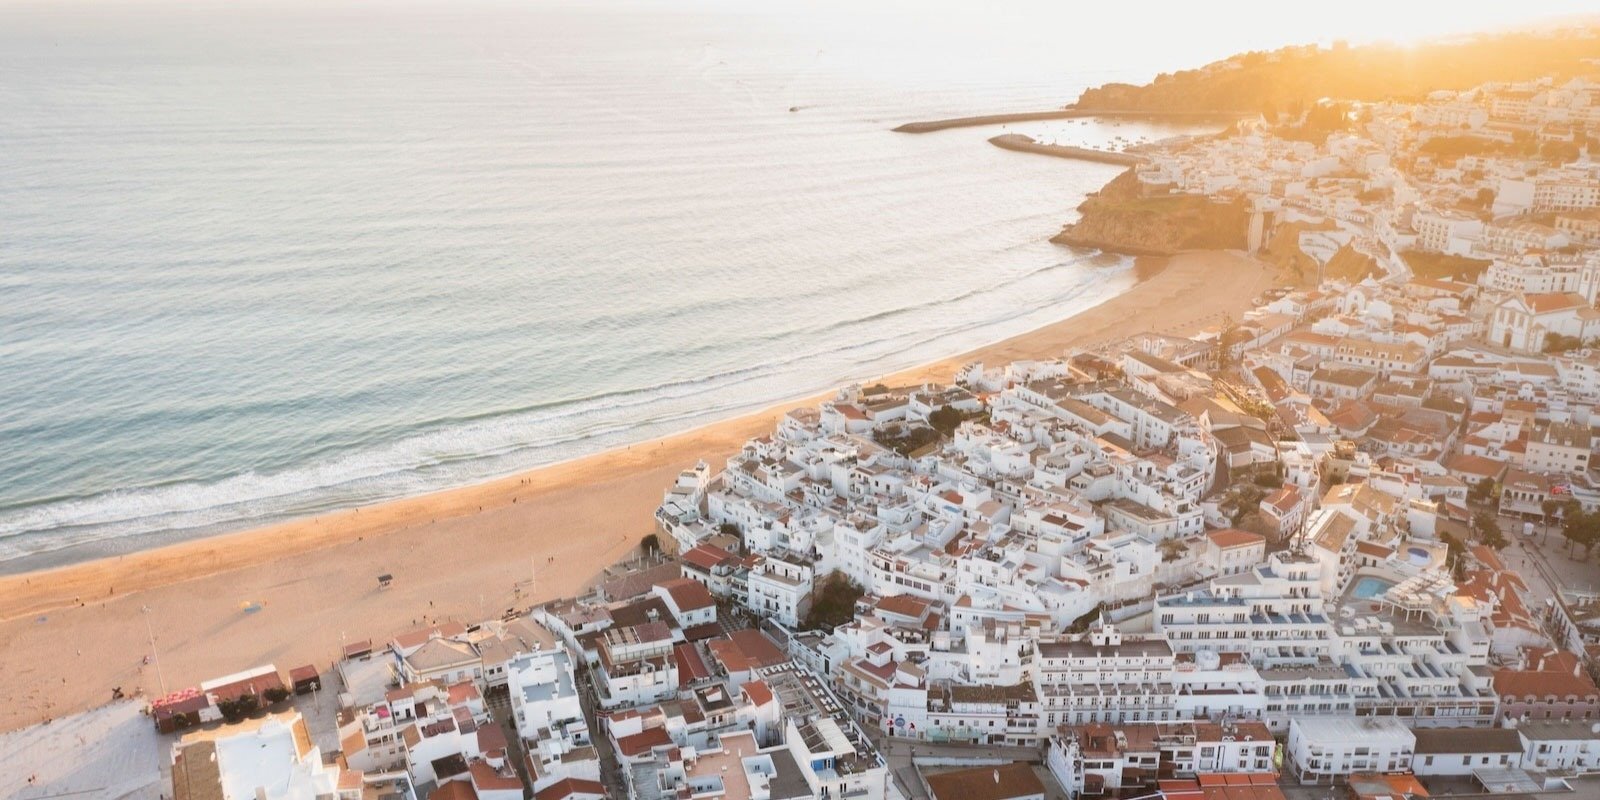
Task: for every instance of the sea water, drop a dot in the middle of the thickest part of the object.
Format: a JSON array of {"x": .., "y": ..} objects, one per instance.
[{"x": 261, "y": 260}]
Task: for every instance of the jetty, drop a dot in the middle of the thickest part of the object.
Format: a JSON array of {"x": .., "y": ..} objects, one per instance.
[
  {"x": 1026, "y": 144},
  {"x": 930, "y": 126}
]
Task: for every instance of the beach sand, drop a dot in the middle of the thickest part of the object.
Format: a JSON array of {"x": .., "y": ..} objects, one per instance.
[{"x": 74, "y": 632}]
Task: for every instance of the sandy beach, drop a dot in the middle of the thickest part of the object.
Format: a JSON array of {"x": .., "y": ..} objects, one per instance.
[{"x": 73, "y": 633}]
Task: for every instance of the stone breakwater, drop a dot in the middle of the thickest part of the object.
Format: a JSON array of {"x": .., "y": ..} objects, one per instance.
[{"x": 1026, "y": 144}]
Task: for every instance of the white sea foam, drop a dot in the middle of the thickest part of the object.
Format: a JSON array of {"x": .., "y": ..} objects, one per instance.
[{"x": 258, "y": 278}]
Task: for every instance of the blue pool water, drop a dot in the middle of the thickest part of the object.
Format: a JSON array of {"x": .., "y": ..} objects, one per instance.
[{"x": 1368, "y": 587}]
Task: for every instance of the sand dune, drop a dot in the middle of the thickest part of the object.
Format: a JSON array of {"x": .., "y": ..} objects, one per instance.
[{"x": 73, "y": 633}]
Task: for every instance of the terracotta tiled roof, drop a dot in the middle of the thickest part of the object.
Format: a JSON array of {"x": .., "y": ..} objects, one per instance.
[
  {"x": 986, "y": 783},
  {"x": 758, "y": 691},
  {"x": 642, "y": 742},
  {"x": 1551, "y": 673},
  {"x": 1229, "y": 538},
  {"x": 688, "y": 595},
  {"x": 570, "y": 787}
]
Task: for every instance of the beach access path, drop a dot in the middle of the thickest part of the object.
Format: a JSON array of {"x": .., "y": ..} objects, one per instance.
[{"x": 74, "y": 632}]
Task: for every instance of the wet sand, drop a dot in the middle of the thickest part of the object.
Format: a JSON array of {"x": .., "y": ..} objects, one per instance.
[{"x": 73, "y": 633}]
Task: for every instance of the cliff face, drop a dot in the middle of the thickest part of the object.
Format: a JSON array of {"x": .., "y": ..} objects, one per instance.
[
  {"x": 1120, "y": 220},
  {"x": 1293, "y": 78},
  {"x": 1350, "y": 264}
]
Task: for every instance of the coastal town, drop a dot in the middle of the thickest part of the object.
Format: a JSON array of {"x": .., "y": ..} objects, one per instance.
[{"x": 1343, "y": 541}]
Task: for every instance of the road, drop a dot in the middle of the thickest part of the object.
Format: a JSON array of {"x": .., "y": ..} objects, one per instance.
[{"x": 1544, "y": 562}]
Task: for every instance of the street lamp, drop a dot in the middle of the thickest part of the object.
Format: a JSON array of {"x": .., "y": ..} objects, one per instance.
[{"x": 154, "y": 658}]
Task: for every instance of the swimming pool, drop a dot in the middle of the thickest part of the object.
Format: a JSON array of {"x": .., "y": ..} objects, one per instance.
[
  {"x": 1368, "y": 587},
  {"x": 1419, "y": 556}
]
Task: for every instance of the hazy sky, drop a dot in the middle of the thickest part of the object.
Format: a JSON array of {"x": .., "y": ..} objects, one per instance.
[
  {"x": 1193, "y": 31},
  {"x": 887, "y": 40}
]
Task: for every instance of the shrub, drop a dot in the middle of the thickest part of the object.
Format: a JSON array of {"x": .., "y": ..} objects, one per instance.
[
  {"x": 907, "y": 440},
  {"x": 833, "y": 603},
  {"x": 1269, "y": 480},
  {"x": 276, "y": 694},
  {"x": 242, "y": 706}
]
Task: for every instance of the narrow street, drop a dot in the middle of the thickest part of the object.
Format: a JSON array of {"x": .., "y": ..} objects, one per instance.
[
  {"x": 610, "y": 767},
  {"x": 498, "y": 701}
]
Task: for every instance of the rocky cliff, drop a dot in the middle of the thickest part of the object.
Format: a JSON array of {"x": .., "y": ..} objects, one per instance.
[{"x": 1120, "y": 219}]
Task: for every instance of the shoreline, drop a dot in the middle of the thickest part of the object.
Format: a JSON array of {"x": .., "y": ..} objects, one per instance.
[
  {"x": 117, "y": 548},
  {"x": 457, "y": 553},
  {"x": 1070, "y": 112},
  {"x": 1134, "y": 250}
]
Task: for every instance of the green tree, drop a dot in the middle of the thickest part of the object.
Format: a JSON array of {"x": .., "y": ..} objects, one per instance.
[
  {"x": 1223, "y": 353},
  {"x": 1455, "y": 550},
  {"x": 1578, "y": 527},
  {"x": 1549, "y": 507},
  {"x": 833, "y": 602},
  {"x": 650, "y": 544},
  {"x": 1487, "y": 530},
  {"x": 1482, "y": 492},
  {"x": 946, "y": 419}
]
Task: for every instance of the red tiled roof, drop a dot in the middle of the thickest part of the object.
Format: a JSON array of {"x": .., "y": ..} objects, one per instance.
[
  {"x": 463, "y": 692},
  {"x": 706, "y": 556},
  {"x": 758, "y": 691},
  {"x": 761, "y": 651},
  {"x": 691, "y": 667},
  {"x": 1560, "y": 675},
  {"x": 569, "y": 787},
  {"x": 491, "y": 738},
  {"x": 420, "y": 636},
  {"x": 1229, "y": 538},
  {"x": 1006, "y": 781},
  {"x": 1474, "y": 465},
  {"x": 1284, "y": 500},
  {"x": 1367, "y": 548},
  {"x": 727, "y": 654},
  {"x": 703, "y": 631},
  {"x": 1546, "y": 302},
  {"x": 487, "y": 777},
  {"x": 688, "y": 595},
  {"x": 455, "y": 790},
  {"x": 643, "y": 742},
  {"x": 904, "y": 605}
]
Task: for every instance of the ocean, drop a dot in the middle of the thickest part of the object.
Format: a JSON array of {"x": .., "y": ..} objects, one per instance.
[{"x": 262, "y": 260}]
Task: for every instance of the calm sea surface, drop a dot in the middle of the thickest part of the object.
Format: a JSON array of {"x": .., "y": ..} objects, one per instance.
[{"x": 258, "y": 261}]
